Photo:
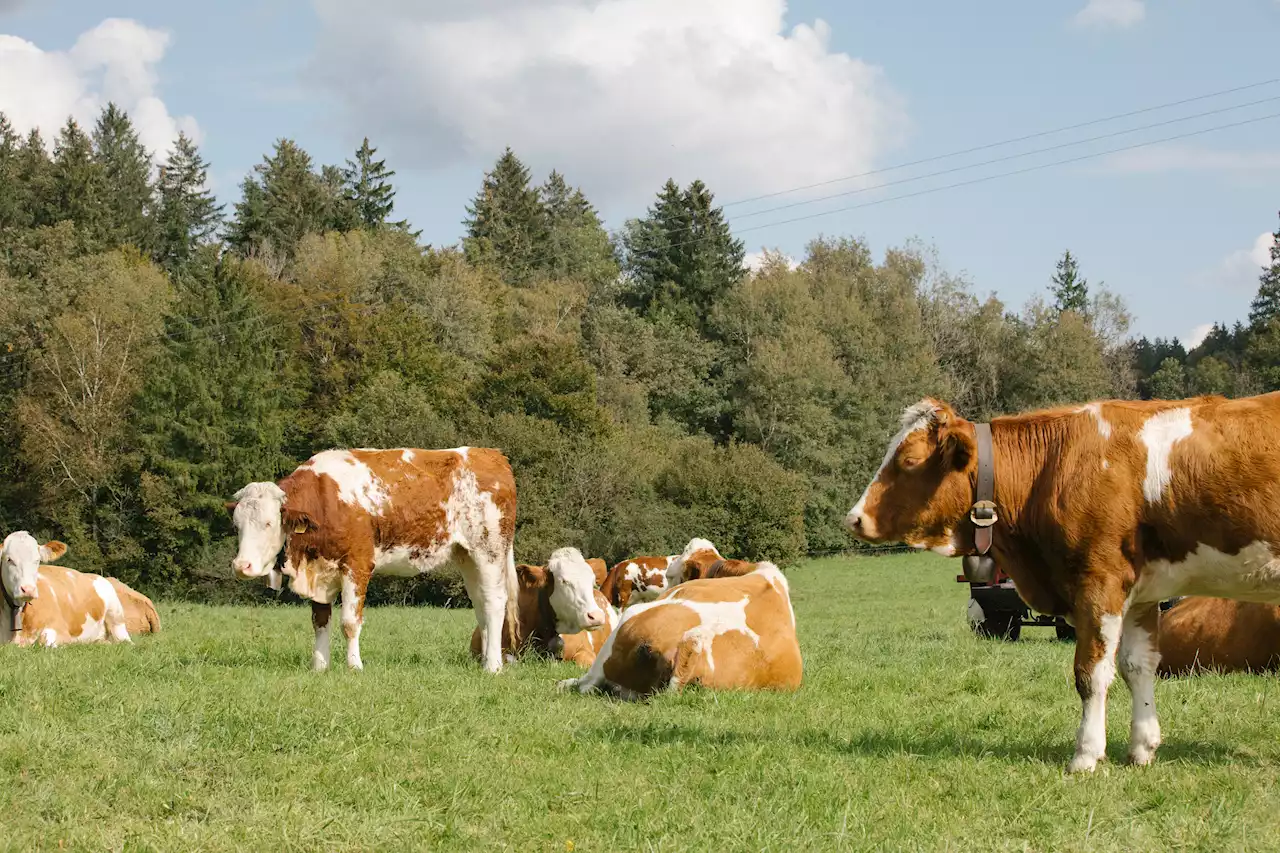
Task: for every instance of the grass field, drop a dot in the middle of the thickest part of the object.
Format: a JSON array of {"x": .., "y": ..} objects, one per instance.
[{"x": 909, "y": 733}]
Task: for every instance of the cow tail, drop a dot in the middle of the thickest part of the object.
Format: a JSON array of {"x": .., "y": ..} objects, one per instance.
[{"x": 513, "y": 593}]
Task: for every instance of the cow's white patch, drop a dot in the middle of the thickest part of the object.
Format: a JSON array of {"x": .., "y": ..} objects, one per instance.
[
  {"x": 779, "y": 582},
  {"x": 718, "y": 617},
  {"x": 351, "y": 622},
  {"x": 472, "y": 518},
  {"x": 914, "y": 418},
  {"x": 112, "y": 622},
  {"x": 406, "y": 456},
  {"x": 1253, "y": 574},
  {"x": 949, "y": 549},
  {"x": 1139, "y": 656},
  {"x": 1160, "y": 433},
  {"x": 403, "y": 561},
  {"x": 1091, "y": 741},
  {"x": 462, "y": 451},
  {"x": 320, "y": 654},
  {"x": 1105, "y": 465},
  {"x": 1095, "y": 410},
  {"x": 257, "y": 521},
  {"x": 573, "y": 595},
  {"x": 357, "y": 483},
  {"x": 49, "y": 638}
]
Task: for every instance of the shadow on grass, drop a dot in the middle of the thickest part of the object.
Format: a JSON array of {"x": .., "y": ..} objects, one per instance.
[{"x": 937, "y": 744}]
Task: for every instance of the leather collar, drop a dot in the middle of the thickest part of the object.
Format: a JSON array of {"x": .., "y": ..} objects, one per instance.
[{"x": 983, "y": 512}]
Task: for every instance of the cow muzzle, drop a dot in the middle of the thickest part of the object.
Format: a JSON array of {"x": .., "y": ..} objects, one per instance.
[{"x": 244, "y": 568}]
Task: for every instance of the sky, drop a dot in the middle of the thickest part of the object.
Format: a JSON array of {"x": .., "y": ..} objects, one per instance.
[{"x": 793, "y": 102}]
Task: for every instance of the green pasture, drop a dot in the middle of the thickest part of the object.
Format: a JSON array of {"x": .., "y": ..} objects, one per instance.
[{"x": 908, "y": 734}]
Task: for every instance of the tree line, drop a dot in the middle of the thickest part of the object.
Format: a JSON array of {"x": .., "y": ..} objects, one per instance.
[{"x": 158, "y": 351}]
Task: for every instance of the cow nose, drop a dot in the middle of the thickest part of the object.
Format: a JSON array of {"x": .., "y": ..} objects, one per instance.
[
  {"x": 241, "y": 567},
  {"x": 854, "y": 522},
  {"x": 27, "y": 591},
  {"x": 595, "y": 619}
]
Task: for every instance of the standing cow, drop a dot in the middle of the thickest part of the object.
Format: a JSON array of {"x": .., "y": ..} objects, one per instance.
[
  {"x": 345, "y": 514},
  {"x": 1098, "y": 513}
]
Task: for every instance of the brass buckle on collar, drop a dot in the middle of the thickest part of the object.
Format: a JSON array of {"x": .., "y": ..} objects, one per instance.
[{"x": 983, "y": 514}]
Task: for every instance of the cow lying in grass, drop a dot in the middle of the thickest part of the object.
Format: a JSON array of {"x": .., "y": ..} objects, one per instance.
[
  {"x": 721, "y": 633},
  {"x": 1200, "y": 633},
  {"x": 55, "y": 606},
  {"x": 636, "y": 580},
  {"x": 700, "y": 559},
  {"x": 566, "y": 576}
]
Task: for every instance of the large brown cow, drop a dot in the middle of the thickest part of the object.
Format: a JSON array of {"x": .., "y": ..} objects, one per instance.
[
  {"x": 1101, "y": 512},
  {"x": 724, "y": 633},
  {"x": 536, "y": 631},
  {"x": 1199, "y": 633},
  {"x": 345, "y": 514},
  {"x": 54, "y": 606}
]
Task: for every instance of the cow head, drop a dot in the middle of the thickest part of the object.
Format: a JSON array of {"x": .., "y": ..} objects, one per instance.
[
  {"x": 259, "y": 522},
  {"x": 922, "y": 491},
  {"x": 692, "y": 563},
  {"x": 573, "y": 592},
  {"x": 20, "y": 559}
]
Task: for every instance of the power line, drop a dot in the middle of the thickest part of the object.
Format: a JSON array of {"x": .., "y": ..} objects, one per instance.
[{"x": 1002, "y": 143}]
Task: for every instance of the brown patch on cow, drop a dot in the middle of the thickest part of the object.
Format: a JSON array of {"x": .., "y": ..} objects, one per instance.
[
  {"x": 731, "y": 568},
  {"x": 1199, "y": 634},
  {"x": 698, "y": 564},
  {"x": 140, "y": 616},
  {"x": 599, "y": 568},
  {"x": 67, "y": 604},
  {"x": 618, "y": 588}
]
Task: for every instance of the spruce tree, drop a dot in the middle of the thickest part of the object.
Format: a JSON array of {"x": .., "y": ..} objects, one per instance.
[
  {"x": 126, "y": 169},
  {"x": 682, "y": 257},
  {"x": 12, "y": 214},
  {"x": 578, "y": 247},
  {"x": 188, "y": 214},
  {"x": 283, "y": 203},
  {"x": 78, "y": 182},
  {"x": 1070, "y": 290},
  {"x": 1266, "y": 304},
  {"x": 506, "y": 225},
  {"x": 368, "y": 188},
  {"x": 35, "y": 175}
]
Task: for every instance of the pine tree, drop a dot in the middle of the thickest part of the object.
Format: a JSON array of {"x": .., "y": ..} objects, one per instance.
[
  {"x": 682, "y": 257},
  {"x": 578, "y": 247},
  {"x": 281, "y": 204},
  {"x": 188, "y": 214},
  {"x": 1266, "y": 305},
  {"x": 1070, "y": 291},
  {"x": 247, "y": 231},
  {"x": 126, "y": 168},
  {"x": 12, "y": 214},
  {"x": 506, "y": 225},
  {"x": 35, "y": 175},
  {"x": 368, "y": 188},
  {"x": 78, "y": 182}
]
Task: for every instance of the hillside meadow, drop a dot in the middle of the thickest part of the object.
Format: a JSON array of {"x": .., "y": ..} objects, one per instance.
[{"x": 908, "y": 734}]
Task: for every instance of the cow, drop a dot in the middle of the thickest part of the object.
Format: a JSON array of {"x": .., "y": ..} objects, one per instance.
[
  {"x": 599, "y": 570},
  {"x": 140, "y": 616},
  {"x": 693, "y": 563},
  {"x": 343, "y": 515},
  {"x": 637, "y": 579},
  {"x": 730, "y": 633},
  {"x": 55, "y": 606},
  {"x": 1097, "y": 512},
  {"x": 538, "y": 629},
  {"x": 1199, "y": 633}
]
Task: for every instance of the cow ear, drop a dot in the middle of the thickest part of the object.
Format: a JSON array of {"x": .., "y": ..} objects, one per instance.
[
  {"x": 531, "y": 577},
  {"x": 52, "y": 550},
  {"x": 957, "y": 443},
  {"x": 231, "y": 505}
]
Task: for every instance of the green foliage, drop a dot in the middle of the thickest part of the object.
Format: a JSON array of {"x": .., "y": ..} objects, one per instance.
[
  {"x": 187, "y": 215},
  {"x": 78, "y": 187},
  {"x": 1169, "y": 382},
  {"x": 506, "y": 223},
  {"x": 1070, "y": 290},
  {"x": 126, "y": 171},
  {"x": 368, "y": 189},
  {"x": 1266, "y": 304}
]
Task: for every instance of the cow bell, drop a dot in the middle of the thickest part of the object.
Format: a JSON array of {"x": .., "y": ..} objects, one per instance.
[
  {"x": 274, "y": 579},
  {"x": 979, "y": 568}
]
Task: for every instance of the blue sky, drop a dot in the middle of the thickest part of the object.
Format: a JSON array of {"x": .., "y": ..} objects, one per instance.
[{"x": 753, "y": 96}]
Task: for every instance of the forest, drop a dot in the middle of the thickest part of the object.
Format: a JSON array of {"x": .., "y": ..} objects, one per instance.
[{"x": 159, "y": 350}]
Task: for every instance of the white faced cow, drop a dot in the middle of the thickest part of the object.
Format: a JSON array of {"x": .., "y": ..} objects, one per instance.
[{"x": 345, "y": 514}]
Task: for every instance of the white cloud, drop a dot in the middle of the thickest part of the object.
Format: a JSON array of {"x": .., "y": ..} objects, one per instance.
[
  {"x": 1190, "y": 158},
  {"x": 1241, "y": 268},
  {"x": 618, "y": 94},
  {"x": 1196, "y": 336},
  {"x": 755, "y": 261},
  {"x": 114, "y": 61},
  {"x": 1116, "y": 14}
]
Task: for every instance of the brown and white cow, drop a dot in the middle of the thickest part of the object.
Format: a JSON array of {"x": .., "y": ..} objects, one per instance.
[
  {"x": 599, "y": 570},
  {"x": 1199, "y": 633},
  {"x": 730, "y": 633},
  {"x": 345, "y": 514},
  {"x": 56, "y": 606},
  {"x": 140, "y": 615},
  {"x": 537, "y": 629},
  {"x": 693, "y": 563},
  {"x": 635, "y": 580},
  {"x": 1103, "y": 511}
]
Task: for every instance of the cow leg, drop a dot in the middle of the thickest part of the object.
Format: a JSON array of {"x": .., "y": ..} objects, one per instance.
[
  {"x": 320, "y": 614},
  {"x": 353, "y": 592},
  {"x": 487, "y": 588},
  {"x": 1098, "y": 623},
  {"x": 1139, "y": 657}
]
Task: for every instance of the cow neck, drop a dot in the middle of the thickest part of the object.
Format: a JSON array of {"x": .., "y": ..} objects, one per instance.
[
  {"x": 12, "y": 616},
  {"x": 1019, "y": 451}
]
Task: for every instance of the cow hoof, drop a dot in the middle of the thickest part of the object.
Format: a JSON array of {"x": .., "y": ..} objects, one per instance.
[
  {"x": 1141, "y": 755},
  {"x": 567, "y": 685},
  {"x": 1082, "y": 763}
]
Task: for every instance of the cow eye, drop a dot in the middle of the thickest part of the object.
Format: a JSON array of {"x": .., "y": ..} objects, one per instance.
[{"x": 911, "y": 462}]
